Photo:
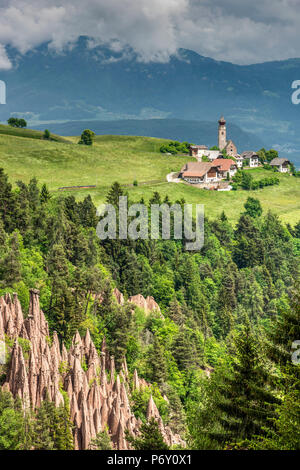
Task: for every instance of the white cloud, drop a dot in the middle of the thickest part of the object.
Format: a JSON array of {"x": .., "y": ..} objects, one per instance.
[
  {"x": 4, "y": 60},
  {"x": 241, "y": 32}
]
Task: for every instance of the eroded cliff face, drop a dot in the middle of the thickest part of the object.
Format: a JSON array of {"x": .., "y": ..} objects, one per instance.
[{"x": 99, "y": 396}]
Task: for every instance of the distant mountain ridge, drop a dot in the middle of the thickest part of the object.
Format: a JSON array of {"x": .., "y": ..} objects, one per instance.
[
  {"x": 98, "y": 84},
  {"x": 197, "y": 132}
]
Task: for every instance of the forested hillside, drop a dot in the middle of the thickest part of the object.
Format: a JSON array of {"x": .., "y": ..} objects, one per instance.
[{"x": 218, "y": 356}]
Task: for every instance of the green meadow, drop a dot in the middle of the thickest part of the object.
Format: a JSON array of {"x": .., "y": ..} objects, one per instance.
[{"x": 125, "y": 159}]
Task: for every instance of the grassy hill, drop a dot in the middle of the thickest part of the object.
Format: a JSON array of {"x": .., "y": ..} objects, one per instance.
[
  {"x": 29, "y": 133},
  {"x": 125, "y": 159}
]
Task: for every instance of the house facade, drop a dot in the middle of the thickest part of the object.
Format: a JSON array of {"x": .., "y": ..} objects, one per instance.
[
  {"x": 199, "y": 172},
  {"x": 252, "y": 157},
  {"x": 208, "y": 172},
  {"x": 226, "y": 167},
  {"x": 199, "y": 151},
  {"x": 282, "y": 164},
  {"x": 239, "y": 161}
]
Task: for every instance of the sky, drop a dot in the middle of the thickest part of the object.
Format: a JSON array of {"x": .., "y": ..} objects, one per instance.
[{"x": 238, "y": 31}]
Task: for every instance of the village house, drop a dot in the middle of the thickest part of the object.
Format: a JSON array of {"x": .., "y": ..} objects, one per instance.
[
  {"x": 208, "y": 172},
  {"x": 226, "y": 167},
  {"x": 199, "y": 172},
  {"x": 251, "y": 157},
  {"x": 199, "y": 151},
  {"x": 239, "y": 161},
  {"x": 282, "y": 164}
]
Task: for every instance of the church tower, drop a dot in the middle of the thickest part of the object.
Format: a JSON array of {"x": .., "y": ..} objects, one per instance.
[{"x": 222, "y": 133}]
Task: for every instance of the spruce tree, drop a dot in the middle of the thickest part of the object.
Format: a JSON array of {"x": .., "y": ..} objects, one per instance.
[
  {"x": 10, "y": 266},
  {"x": 157, "y": 362},
  {"x": 114, "y": 193},
  {"x": 101, "y": 442},
  {"x": 282, "y": 344},
  {"x": 246, "y": 405},
  {"x": 43, "y": 437},
  {"x": 150, "y": 437},
  {"x": 285, "y": 433},
  {"x": 45, "y": 195},
  {"x": 64, "y": 426}
]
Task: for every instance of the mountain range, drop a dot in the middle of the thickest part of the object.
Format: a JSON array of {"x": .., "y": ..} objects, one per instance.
[{"x": 96, "y": 84}]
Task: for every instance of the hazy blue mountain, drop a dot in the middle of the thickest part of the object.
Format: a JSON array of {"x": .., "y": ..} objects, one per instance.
[
  {"x": 95, "y": 84},
  {"x": 204, "y": 132}
]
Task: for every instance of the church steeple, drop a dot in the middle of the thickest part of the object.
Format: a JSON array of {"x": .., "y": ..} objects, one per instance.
[{"x": 222, "y": 133}]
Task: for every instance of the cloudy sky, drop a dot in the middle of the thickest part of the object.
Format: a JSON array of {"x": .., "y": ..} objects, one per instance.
[{"x": 238, "y": 31}]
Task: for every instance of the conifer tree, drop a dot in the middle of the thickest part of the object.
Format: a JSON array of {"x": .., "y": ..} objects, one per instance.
[
  {"x": 11, "y": 424},
  {"x": 10, "y": 266},
  {"x": 88, "y": 212},
  {"x": 157, "y": 363},
  {"x": 282, "y": 344},
  {"x": 248, "y": 251},
  {"x": 285, "y": 433},
  {"x": 45, "y": 195},
  {"x": 246, "y": 404},
  {"x": 149, "y": 439},
  {"x": 101, "y": 441},
  {"x": 114, "y": 194},
  {"x": 64, "y": 427},
  {"x": 184, "y": 350},
  {"x": 43, "y": 440},
  {"x": 7, "y": 203}
]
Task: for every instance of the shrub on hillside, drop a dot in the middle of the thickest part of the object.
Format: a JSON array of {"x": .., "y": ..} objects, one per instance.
[
  {"x": 15, "y": 122},
  {"x": 87, "y": 137},
  {"x": 175, "y": 147}
]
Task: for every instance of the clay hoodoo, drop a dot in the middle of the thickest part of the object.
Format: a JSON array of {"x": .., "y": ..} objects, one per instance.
[{"x": 96, "y": 403}]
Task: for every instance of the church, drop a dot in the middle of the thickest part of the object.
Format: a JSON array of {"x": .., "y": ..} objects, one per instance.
[
  {"x": 224, "y": 144},
  {"x": 198, "y": 151}
]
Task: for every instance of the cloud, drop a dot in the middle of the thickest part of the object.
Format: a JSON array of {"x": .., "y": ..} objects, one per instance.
[
  {"x": 241, "y": 32},
  {"x": 5, "y": 63}
]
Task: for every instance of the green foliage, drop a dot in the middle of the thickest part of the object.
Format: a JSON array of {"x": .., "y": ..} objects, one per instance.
[
  {"x": 12, "y": 429},
  {"x": 101, "y": 442},
  {"x": 26, "y": 347},
  {"x": 16, "y": 122},
  {"x": 253, "y": 207},
  {"x": 247, "y": 270},
  {"x": 47, "y": 134},
  {"x": 175, "y": 147},
  {"x": 244, "y": 179},
  {"x": 140, "y": 399},
  {"x": 87, "y": 137},
  {"x": 150, "y": 438}
]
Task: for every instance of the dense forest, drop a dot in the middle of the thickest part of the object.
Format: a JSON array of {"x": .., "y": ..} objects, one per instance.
[{"x": 221, "y": 352}]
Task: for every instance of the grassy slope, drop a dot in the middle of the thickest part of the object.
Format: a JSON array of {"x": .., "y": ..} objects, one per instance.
[
  {"x": 128, "y": 158},
  {"x": 29, "y": 133}
]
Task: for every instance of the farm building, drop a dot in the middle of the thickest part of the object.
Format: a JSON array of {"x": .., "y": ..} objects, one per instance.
[
  {"x": 252, "y": 157},
  {"x": 208, "y": 172},
  {"x": 199, "y": 151},
  {"x": 282, "y": 164}
]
